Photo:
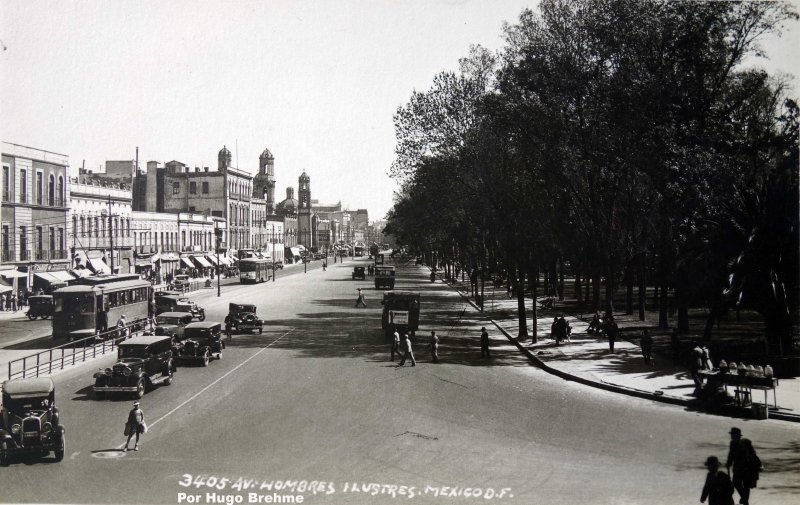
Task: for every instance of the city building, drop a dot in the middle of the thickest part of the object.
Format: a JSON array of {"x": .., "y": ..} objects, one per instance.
[
  {"x": 306, "y": 220},
  {"x": 34, "y": 207},
  {"x": 264, "y": 181}
]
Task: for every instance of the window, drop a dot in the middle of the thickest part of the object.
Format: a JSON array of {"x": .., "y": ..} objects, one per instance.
[
  {"x": 51, "y": 191},
  {"x": 176, "y": 188},
  {"x": 205, "y": 188},
  {"x": 74, "y": 226},
  {"x": 6, "y": 183},
  {"x": 39, "y": 187},
  {"x": 61, "y": 200},
  {"x": 6, "y": 244},
  {"x": 23, "y": 186},
  {"x": 61, "y": 241},
  {"x": 39, "y": 242},
  {"x": 193, "y": 188},
  {"x": 23, "y": 242},
  {"x": 52, "y": 235}
]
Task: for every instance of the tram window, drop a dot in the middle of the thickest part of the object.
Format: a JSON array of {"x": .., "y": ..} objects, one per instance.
[{"x": 112, "y": 300}]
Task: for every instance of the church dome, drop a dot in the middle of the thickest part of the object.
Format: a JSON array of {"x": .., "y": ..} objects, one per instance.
[
  {"x": 287, "y": 207},
  {"x": 224, "y": 151}
]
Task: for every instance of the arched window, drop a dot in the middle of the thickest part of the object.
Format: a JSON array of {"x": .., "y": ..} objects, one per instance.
[
  {"x": 51, "y": 191},
  {"x": 61, "y": 196},
  {"x": 74, "y": 226},
  {"x": 83, "y": 227}
]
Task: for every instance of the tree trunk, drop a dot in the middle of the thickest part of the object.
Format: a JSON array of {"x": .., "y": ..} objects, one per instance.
[
  {"x": 629, "y": 291},
  {"x": 578, "y": 287},
  {"x": 519, "y": 287},
  {"x": 596, "y": 289},
  {"x": 663, "y": 306},
  {"x": 610, "y": 287},
  {"x": 560, "y": 278},
  {"x": 533, "y": 280},
  {"x": 642, "y": 288}
]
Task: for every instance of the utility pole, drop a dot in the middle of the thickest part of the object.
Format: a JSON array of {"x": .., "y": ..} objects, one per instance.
[
  {"x": 217, "y": 237},
  {"x": 273, "y": 253},
  {"x": 111, "y": 233}
]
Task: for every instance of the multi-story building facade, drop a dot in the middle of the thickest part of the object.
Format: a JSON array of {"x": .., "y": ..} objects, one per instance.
[
  {"x": 33, "y": 210},
  {"x": 264, "y": 181},
  {"x": 258, "y": 224},
  {"x": 100, "y": 215},
  {"x": 175, "y": 188}
]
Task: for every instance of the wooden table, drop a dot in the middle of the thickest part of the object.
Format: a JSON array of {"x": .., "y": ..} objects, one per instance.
[{"x": 744, "y": 385}]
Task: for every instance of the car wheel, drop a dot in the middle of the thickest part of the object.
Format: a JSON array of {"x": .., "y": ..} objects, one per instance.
[
  {"x": 4, "y": 454},
  {"x": 202, "y": 316},
  {"x": 219, "y": 354},
  {"x": 46, "y": 317},
  {"x": 206, "y": 358},
  {"x": 140, "y": 388},
  {"x": 32, "y": 317},
  {"x": 60, "y": 451}
]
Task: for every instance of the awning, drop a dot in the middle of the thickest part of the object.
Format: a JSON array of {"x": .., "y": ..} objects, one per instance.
[
  {"x": 225, "y": 261},
  {"x": 295, "y": 251},
  {"x": 97, "y": 265},
  {"x": 5, "y": 288},
  {"x": 47, "y": 277},
  {"x": 13, "y": 274},
  {"x": 187, "y": 262},
  {"x": 155, "y": 257},
  {"x": 212, "y": 259},
  {"x": 62, "y": 275},
  {"x": 145, "y": 263},
  {"x": 202, "y": 261}
]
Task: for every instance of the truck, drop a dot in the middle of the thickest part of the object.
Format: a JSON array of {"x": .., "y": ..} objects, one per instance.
[
  {"x": 400, "y": 312},
  {"x": 384, "y": 277}
]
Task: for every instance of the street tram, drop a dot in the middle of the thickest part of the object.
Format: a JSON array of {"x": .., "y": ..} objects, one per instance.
[
  {"x": 76, "y": 308},
  {"x": 252, "y": 270}
]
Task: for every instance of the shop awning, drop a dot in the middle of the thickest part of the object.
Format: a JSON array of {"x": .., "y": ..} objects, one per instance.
[
  {"x": 97, "y": 265},
  {"x": 13, "y": 274},
  {"x": 225, "y": 261},
  {"x": 295, "y": 251},
  {"x": 145, "y": 263},
  {"x": 169, "y": 257},
  {"x": 187, "y": 262},
  {"x": 62, "y": 275},
  {"x": 212, "y": 259},
  {"x": 202, "y": 261}
]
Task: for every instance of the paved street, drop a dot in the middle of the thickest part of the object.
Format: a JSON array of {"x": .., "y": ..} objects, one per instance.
[{"x": 316, "y": 399}]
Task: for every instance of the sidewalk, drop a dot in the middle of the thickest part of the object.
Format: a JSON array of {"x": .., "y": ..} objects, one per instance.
[{"x": 586, "y": 359}]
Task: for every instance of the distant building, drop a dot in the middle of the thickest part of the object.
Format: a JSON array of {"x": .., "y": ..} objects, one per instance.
[{"x": 264, "y": 181}]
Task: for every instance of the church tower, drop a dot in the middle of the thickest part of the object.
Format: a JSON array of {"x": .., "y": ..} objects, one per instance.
[
  {"x": 305, "y": 233},
  {"x": 224, "y": 159},
  {"x": 264, "y": 181}
]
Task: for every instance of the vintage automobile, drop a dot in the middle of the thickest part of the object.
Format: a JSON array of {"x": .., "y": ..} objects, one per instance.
[
  {"x": 358, "y": 273},
  {"x": 172, "y": 303},
  {"x": 29, "y": 419},
  {"x": 142, "y": 363},
  {"x": 40, "y": 306},
  {"x": 278, "y": 265},
  {"x": 199, "y": 342},
  {"x": 243, "y": 318},
  {"x": 172, "y": 324},
  {"x": 384, "y": 277},
  {"x": 181, "y": 282},
  {"x": 400, "y": 312}
]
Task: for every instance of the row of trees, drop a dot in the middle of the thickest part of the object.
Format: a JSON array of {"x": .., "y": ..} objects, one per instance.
[{"x": 623, "y": 139}]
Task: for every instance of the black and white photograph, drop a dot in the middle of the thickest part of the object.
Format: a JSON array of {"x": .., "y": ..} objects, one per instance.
[{"x": 368, "y": 252}]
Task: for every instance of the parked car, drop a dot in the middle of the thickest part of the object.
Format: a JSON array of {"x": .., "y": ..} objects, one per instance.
[
  {"x": 243, "y": 318},
  {"x": 358, "y": 273},
  {"x": 173, "y": 303},
  {"x": 29, "y": 419},
  {"x": 199, "y": 342},
  {"x": 384, "y": 277},
  {"x": 142, "y": 363},
  {"x": 172, "y": 324},
  {"x": 40, "y": 306},
  {"x": 279, "y": 265},
  {"x": 181, "y": 281}
]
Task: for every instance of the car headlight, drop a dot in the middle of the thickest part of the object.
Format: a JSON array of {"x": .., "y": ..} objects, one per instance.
[
  {"x": 15, "y": 429},
  {"x": 108, "y": 371},
  {"x": 127, "y": 372},
  {"x": 47, "y": 428}
]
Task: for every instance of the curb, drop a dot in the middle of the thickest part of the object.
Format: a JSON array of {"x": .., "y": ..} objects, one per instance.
[{"x": 647, "y": 395}]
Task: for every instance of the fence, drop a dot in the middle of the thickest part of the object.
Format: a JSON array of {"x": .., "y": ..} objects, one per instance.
[{"x": 78, "y": 351}]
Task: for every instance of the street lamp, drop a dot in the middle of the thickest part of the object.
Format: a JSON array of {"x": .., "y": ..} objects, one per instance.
[{"x": 272, "y": 235}]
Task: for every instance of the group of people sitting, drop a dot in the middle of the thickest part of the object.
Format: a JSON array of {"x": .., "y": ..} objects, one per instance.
[{"x": 560, "y": 330}]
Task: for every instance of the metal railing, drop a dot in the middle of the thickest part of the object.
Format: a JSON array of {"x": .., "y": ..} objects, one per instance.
[{"x": 78, "y": 351}]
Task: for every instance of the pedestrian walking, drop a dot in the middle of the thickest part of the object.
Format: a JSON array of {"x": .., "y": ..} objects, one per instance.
[
  {"x": 695, "y": 365},
  {"x": 14, "y": 302},
  {"x": 135, "y": 426},
  {"x": 485, "y": 343},
  {"x": 361, "y": 300},
  {"x": 409, "y": 353},
  {"x": 395, "y": 344},
  {"x": 717, "y": 488},
  {"x": 3, "y": 302},
  {"x": 612, "y": 331},
  {"x": 434, "y": 347},
  {"x": 324, "y": 265},
  {"x": 8, "y": 302},
  {"x": 228, "y": 326},
  {"x": 151, "y": 308},
  {"x": 746, "y": 465},
  {"x": 646, "y": 343},
  {"x": 102, "y": 320}
]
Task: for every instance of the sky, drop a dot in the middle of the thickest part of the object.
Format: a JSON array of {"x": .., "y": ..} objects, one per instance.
[{"x": 316, "y": 82}]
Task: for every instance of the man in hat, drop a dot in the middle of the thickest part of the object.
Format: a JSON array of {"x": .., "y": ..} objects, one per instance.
[
  {"x": 395, "y": 343},
  {"x": 746, "y": 465},
  {"x": 718, "y": 488},
  {"x": 409, "y": 353},
  {"x": 134, "y": 426},
  {"x": 122, "y": 325},
  {"x": 434, "y": 347}
]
